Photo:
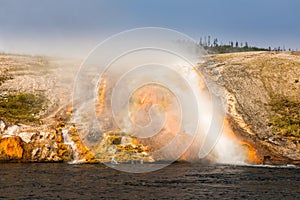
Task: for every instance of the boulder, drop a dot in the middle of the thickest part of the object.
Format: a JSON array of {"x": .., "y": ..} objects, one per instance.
[
  {"x": 12, "y": 130},
  {"x": 26, "y": 136},
  {"x": 11, "y": 148}
]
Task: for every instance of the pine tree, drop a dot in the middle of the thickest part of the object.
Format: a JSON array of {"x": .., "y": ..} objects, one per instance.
[{"x": 216, "y": 42}]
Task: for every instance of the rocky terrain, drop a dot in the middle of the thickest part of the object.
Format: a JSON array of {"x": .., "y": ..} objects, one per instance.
[
  {"x": 35, "y": 111},
  {"x": 263, "y": 98},
  {"x": 32, "y": 96},
  {"x": 262, "y": 94}
]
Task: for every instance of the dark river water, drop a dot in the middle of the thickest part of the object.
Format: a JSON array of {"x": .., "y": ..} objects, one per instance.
[{"x": 177, "y": 181}]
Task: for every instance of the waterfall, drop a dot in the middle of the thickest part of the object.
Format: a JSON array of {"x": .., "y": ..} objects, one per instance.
[{"x": 68, "y": 141}]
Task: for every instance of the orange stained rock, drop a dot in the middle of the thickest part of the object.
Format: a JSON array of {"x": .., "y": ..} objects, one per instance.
[
  {"x": 252, "y": 156},
  {"x": 101, "y": 96},
  {"x": 11, "y": 148},
  {"x": 70, "y": 110},
  {"x": 142, "y": 101}
]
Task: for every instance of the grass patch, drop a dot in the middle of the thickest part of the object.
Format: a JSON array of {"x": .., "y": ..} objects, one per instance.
[
  {"x": 22, "y": 107},
  {"x": 286, "y": 119}
]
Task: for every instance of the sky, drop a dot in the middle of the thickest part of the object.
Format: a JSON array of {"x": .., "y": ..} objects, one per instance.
[{"x": 63, "y": 27}]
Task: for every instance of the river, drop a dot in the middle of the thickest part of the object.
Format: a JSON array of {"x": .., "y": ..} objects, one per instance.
[{"x": 177, "y": 181}]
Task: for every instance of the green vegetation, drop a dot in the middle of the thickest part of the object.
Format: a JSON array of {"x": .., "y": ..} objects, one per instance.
[
  {"x": 214, "y": 46},
  {"x": 21, "y": 108},
  {"x": 231, "y": 49},
  {"x": 286, "y": 119}
]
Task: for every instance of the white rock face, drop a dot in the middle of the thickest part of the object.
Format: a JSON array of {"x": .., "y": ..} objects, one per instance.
[
  {"x": 35, "y": 152},
  {"x": 26, "y": 136},
  {"x": 2, "y": 126},
  {"x": 12, "y": 130}
]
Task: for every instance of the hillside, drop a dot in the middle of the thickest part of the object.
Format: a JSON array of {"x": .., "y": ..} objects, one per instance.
[
  {"x": 263, "y": 96},
  {"x": 34, "y": 90}
]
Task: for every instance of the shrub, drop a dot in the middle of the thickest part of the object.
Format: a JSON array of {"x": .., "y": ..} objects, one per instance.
[
  {"x": 22, "y": 107},
  {"x": 286, "y": 117}
]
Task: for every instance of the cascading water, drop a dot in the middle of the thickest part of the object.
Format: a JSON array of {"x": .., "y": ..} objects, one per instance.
[
  {"x": 113, "y": 160},
  {"x": 153, "y": 93},
  {"x": 68, "y": 141}
]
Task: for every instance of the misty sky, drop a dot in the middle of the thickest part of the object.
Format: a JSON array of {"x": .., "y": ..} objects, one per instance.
[{"x": 59, "y": 27}]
